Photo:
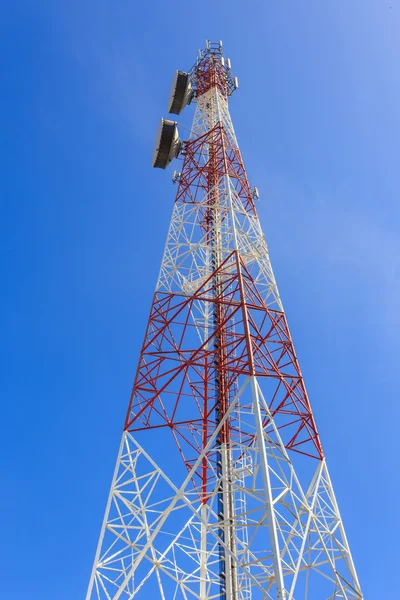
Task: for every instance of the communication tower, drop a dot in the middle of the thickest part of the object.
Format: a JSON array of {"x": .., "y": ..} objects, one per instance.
[{"x": 221, "y": 488}]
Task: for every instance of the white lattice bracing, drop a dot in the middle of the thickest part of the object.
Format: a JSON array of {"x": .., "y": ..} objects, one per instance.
[
  {"x": 151, "y": 544},
  {"x": 186, "y": 262}
]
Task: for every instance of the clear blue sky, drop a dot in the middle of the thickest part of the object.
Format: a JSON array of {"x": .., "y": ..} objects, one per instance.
[{"x": 84, "y": 219}]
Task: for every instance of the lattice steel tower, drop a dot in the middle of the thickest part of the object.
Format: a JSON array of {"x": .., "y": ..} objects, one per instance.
[{"x": 221, "y": 488}]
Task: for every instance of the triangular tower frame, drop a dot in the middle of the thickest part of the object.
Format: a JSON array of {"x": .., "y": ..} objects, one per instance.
[{"x": 221, "y": 488}]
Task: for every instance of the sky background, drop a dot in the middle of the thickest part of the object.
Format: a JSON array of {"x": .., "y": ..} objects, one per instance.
[{"x": 83, "y": 225}]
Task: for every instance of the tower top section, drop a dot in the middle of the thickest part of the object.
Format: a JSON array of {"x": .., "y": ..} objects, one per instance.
[{"x": 211, "y": 69}]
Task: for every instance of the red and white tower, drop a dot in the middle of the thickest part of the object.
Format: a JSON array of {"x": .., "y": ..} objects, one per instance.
[{"x": 221, "y": 488}]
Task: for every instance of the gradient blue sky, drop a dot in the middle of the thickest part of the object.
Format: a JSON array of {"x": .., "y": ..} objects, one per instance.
[{"x": 84, "y": 219}]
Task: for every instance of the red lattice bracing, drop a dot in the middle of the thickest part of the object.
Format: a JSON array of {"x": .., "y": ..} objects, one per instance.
[
  {"x": 175, "y": 385},
  {"x": 223, "y": 159},
  {"x": 176, "y": 375}
]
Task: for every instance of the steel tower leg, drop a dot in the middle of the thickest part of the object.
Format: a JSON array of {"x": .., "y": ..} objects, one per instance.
[{"x": 280, "y": 586}]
